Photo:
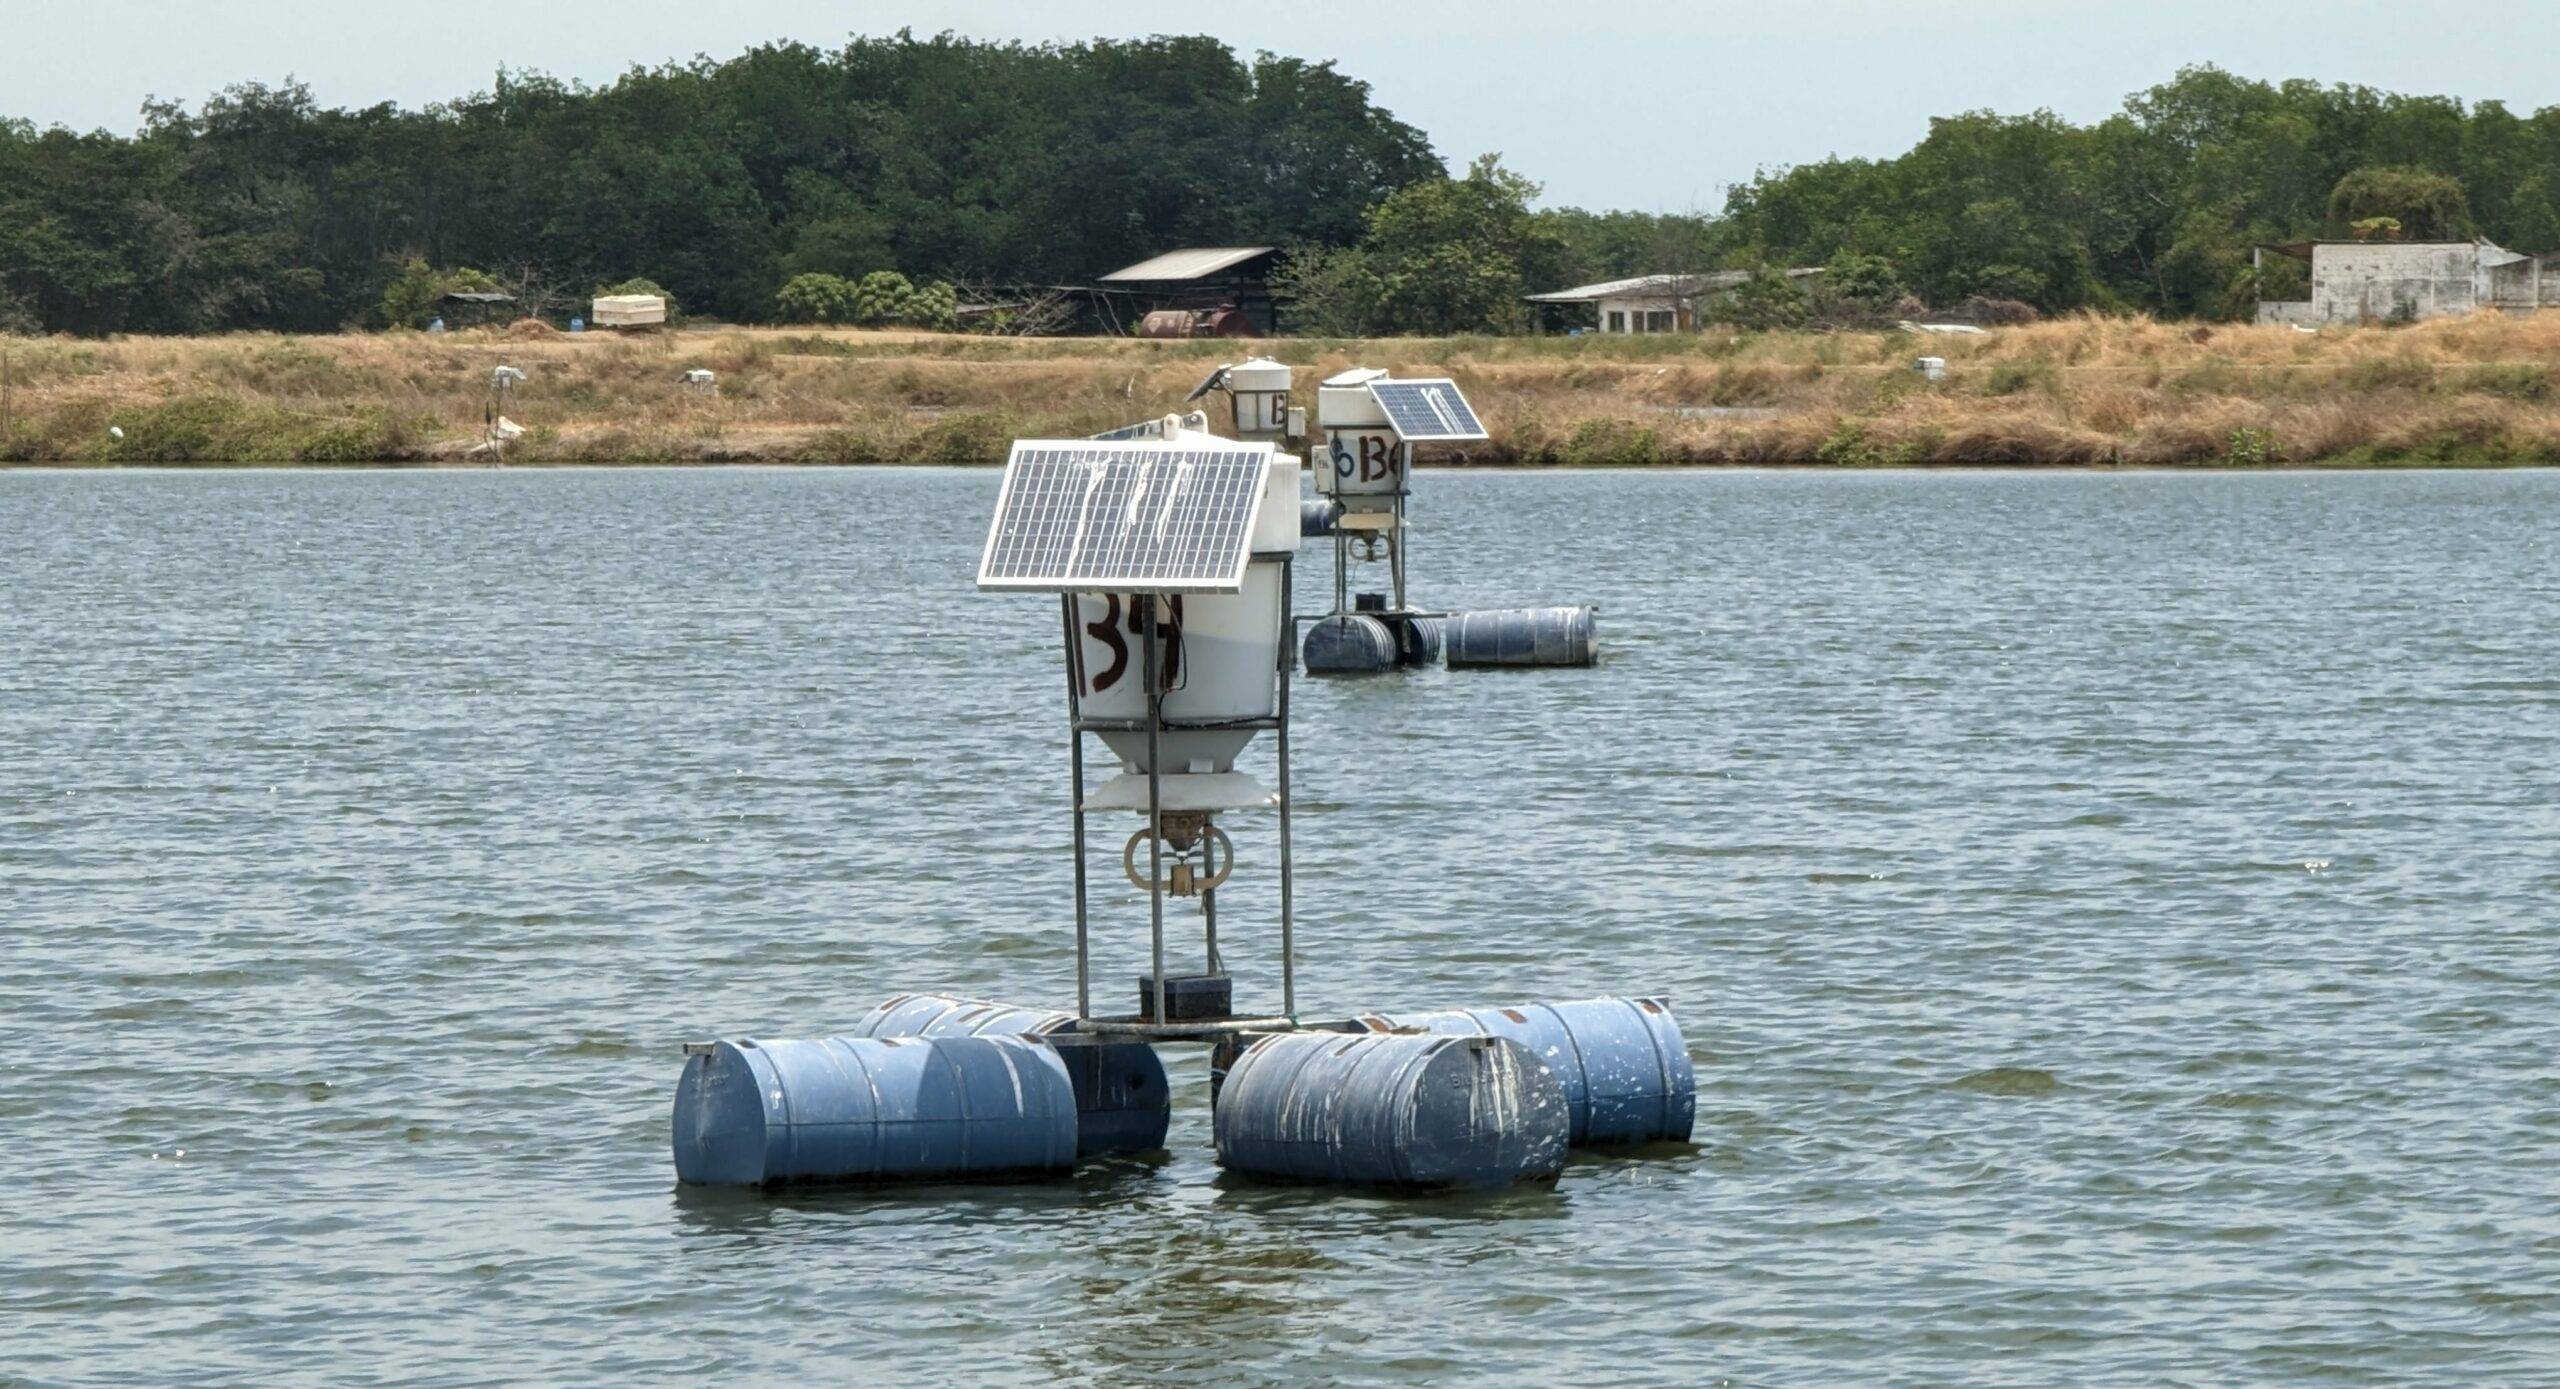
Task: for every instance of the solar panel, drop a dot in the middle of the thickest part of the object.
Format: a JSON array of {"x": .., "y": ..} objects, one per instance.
[
  {"x": 1430, "y": 411},
  {"x": 1086, "y": 516}
]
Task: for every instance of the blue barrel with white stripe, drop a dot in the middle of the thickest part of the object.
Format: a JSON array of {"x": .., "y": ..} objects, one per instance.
[
  {"x": 861, "y": 1109},
  {"x": 1623, "y": 1064},
  {"x": 1349, "y": 644},
  {"x": 1524, "y": 637},
  {"x": 1411, "y": 1110},
  {"x": 1123, "y": 1102},
  {"x": 1316, "y": 516}
]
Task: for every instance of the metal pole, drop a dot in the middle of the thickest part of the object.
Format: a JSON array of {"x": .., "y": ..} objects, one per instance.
[
  {"x": 1209, "y": 918},
  {"x": 1396, "y": 552},
  {"x": 1288, "y": 659},
  {"x": 1341, "y": 565},
  {"x": 1155, "y": 798},
  {"x": 1075, "y": 795}
]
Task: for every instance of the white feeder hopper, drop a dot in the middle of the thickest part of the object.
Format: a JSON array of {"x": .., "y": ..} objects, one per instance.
[
  {"x": 1259, "y": 388},
  {"x": 1363, "y": 455},
  {"x": 1178, "y": 519}
]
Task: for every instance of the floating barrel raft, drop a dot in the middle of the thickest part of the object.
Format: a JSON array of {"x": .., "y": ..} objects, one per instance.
[
  {"x": 1622, "y": 1062},
  {"x": 1123, "y": 1102},
  {"x": 863, "y": 1109},
  {"x": 1169, "y": 554},
  {"x": 1562, "y": 636},
  {"x": 1416, "y": 1110}
]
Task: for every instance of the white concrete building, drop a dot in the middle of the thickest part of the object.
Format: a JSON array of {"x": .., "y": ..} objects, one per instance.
[
  {"x": 1652, "y": 303},
  {"x": 2406, "y": 281}
]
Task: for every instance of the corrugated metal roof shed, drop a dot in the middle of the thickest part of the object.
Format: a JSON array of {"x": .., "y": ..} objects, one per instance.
[
  {"x": 1656, "y": 287},
  {"x": 1194, "y": 264}
]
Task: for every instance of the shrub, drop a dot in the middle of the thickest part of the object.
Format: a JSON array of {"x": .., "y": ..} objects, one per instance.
[
  {"x": 883, "y": 296},
  {"x": 2012, "y": 377},
  {"x": 413, "y": 297},
  {"x": 2253, "y": 448},
  {"x": 1607, "y": 443},
  {"x": 2513, "y": 380},
  {"x": 815, "y": 298}
]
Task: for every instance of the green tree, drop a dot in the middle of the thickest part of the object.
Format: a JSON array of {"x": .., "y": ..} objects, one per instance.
[
  {"x": 1446, "y": 256},
  {"x": 815, "y": 298},
  {"x": 415, "y": 296},
  {"x": 2421, "y": 205}
]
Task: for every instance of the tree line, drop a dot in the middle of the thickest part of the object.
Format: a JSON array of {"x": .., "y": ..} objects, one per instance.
[
  {"x": 858, "y": 184},
  {"x": 940, "y": 159}
]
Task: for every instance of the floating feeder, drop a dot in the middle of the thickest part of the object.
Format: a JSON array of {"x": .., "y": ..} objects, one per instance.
[
  {"x": 1374, "y": 423},
  {"x": 1169, "y": 551}
]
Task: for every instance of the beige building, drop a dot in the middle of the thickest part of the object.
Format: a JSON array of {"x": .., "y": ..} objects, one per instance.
[
  {"x": 1651, "y": 303},
  {"x": 2406, "y": 281}
]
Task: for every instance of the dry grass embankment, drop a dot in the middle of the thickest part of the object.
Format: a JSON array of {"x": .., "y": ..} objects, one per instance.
[{"x": 2078, "y": 391}]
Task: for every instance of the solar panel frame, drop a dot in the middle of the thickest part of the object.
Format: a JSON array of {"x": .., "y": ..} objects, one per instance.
[
  {"x": 1096, "y": 516},
  {"x": 1428, "y": 410}
]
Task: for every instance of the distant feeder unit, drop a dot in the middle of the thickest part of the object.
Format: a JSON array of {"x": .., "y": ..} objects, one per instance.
[
  {"x": 701, "y": 382},
  {"x": 1373, "y": 424}
]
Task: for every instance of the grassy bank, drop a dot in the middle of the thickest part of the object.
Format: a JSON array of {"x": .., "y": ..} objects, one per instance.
[{"x": 2086, "y": 391}]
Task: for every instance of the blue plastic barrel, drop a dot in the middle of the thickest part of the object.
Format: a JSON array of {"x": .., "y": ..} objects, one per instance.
[
  {"x": 1524, "y": 637},
  {"x": 1349, "y": 644},
  {"x": 1316, "y": 516},
  {"x": 1622, "y": 1062},
  {"x": 853, "y": 1109},
  {"x": 1417, "y": 640},
  {"x": 1400, "y": 1109},
  {"x": 1123, "y": 1102}
]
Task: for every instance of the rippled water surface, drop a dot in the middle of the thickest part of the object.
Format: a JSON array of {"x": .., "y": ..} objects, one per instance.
[{"x": 2113, "y": 918}]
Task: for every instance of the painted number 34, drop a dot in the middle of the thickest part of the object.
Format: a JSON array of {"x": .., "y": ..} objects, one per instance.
[{"x": 1117, "y": 619}]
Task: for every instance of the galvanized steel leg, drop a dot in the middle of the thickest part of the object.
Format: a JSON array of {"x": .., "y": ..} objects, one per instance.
[
  {"x": 1155, "y": 798},
  {"x": 1288, "y": 663},
  {"x": 1075, "y": 800}
]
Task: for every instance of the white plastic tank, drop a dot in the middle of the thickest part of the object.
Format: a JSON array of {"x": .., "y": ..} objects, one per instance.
[
  {"x": 1218, "y": 658},
  {"x": 1259, "y": 387},
  {"x": 1364, "y": 457}
]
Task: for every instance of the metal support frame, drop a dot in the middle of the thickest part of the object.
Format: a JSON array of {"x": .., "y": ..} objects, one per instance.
[{"x": 1157, "y": 1015}]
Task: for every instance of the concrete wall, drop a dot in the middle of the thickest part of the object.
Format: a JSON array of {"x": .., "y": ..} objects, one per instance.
[
  {"x": 2525, "y": 285},
  {"x": 1635, "y": 310},
  {"x": 2383, "y": 282}
]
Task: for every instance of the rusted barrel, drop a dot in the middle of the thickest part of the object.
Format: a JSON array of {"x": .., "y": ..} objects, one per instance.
[
  {"x": 857, "y": 1109},
  {"x": 1403, "y": 1110},
  {"x": 1524, "y": 637},
  {"x": 1622, "y": 1062},
  {"x": 1123, "y": 1103}
]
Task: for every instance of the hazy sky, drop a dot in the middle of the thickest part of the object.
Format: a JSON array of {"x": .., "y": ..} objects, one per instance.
[{"x": 1653, "y": 103}]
